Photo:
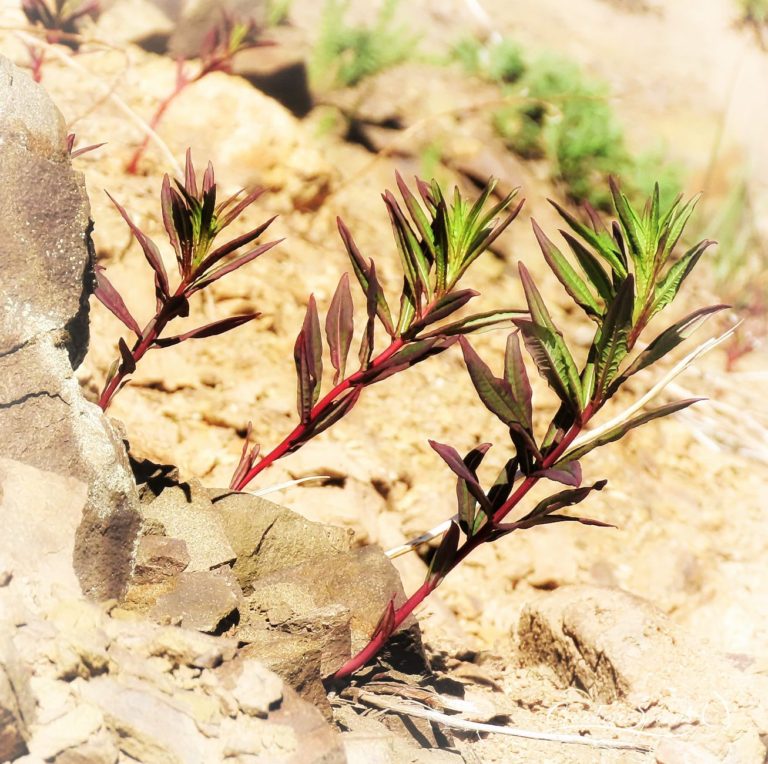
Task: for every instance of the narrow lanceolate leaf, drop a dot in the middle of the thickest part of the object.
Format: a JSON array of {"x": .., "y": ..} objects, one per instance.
[
  {"x": 339, "y": 327},
  {"x": 476, "y": 323},
  {"x": 465, "y": 498},
  {"x": 612, "y": 345},
  {"x": 502, "y": 487},
  {"x": 568, "y": 474},
  {"x": 620, "y": 430},
  {"x": 675, "y": 224},
  {"x": 307, "y": 354},
  {"x": 547, "y": 344},
  {"x": 591, "y": 267},
  {"x": 559, "y": 501},
  {"x": 443, "y": 307},
  {"x": 149, "y": 248},
  {"x": 361, "y": 269},
  {"x": 424, "y": 227},
  {"x": 441, "y": 562},
  {"x": 496, "y": 394},
  {"x": 667, "y": 341},
  {"x": 602, "y": 242},
  {"x": 451, "y": 457},
  {"x": 413, "y": 353},
  {"x": 330, "y": 415},
  {"x": 111, "y": 299},
  {"x": 231, "y": 246},
  {"x": 366, "y": 343},
  {"x": 209, "y": 330},
  {"x": 166, "y": 203},
  {"x": 407, "y": 310},
  {"x": 553, "y": 361},
  {"x": 314, "y": 340},
  {"x": 128, "y": 365},
  {"x": 517, "y": 377},
  {"x": 415, "y": 264},
  {"x": 566, "y": 275},
  {"x": 232, "y": 265},
  {"x": 667, "y": 289},
  {"x": 633, "y": 230}
]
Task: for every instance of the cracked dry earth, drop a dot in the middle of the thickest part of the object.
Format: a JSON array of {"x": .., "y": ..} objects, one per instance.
[{"x": 685, "y": 494}]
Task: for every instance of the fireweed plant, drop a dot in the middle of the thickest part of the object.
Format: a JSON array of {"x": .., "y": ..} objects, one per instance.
[
  {"x": 217, "y": 53},
  {"x": 437, "y": 242},
  {"x": 626, "y": 274},
  {"x": 193, "y": 221}
]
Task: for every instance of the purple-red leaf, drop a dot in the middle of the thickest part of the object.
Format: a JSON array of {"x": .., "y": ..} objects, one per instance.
[
  {"x": 308, "y": 355},
  {"x": 166, "y": 203},
  {"x": 366, "y": 344},
  {"x": 128, "y": 366},
  {"x": 111, "y": 299},
  {"x": 190, "y": 182},
  {"x": 362, "y": 272},
  {"x": 339, "y": 327},
  {"x": 568, "y": 474},
  {"x": 330, "y": 415},
  {"x": 465, "y": 498},
  {"x": 442, "y": 308},
  {"x": 451, "y": 457},
  {"x": 209, "y": 330},
  {"x": 444, "y": 556},
  {"x": 248, "y": 457},
  {"x": 517, "y": 378},
  {"x": 231, "y": 246},
  {"x": 410, "y": 355},
  {"x": 558, "y": 501},
  {"x": 151, "y": 252},
  {"x": 232, "y": 265}
]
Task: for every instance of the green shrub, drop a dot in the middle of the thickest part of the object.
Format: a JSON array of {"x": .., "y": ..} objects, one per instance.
[{"x": 345, "y": 54}]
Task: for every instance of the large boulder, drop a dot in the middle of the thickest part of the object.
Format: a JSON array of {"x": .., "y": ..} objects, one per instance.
[{"x": 54, "y": 441}]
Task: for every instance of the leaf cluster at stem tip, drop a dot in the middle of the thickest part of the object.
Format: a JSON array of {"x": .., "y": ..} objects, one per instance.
[
  {"x": 193, "y": 220},
  {"x": 621, "y": 275}
]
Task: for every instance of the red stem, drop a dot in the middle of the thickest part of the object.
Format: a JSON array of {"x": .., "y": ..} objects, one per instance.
[
  {"x": 317, "y": 412},
  {"x": 148, "y": 336},
  {"x": 380, "y": 639}
]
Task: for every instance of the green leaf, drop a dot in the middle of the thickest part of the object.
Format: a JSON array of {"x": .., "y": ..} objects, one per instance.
[
  {"x": 591, "y": 267},
  {"x": 602, "y": 242},
  {"x": 407, "y": 310},
  {"x": 517, "y": 378},
  {"x": 496, "y": 394},
  {"x": 668, "y": 340},
  {"x": 566, "y": 275},
  {"x": 547, "y": 346},
  {"x": 366, "y": 343},
  {"x": 620, "y": 430},
  {"x": 475, "y": 323},
  {"x": 415, "y": 265},
  {"x": 612, "y": 346},
  {"x": 675, "y": 225},
  {"x": 361, "y": 272},
  {"x": 633, "y": 230},
  {"x": 667, "y": 289}
]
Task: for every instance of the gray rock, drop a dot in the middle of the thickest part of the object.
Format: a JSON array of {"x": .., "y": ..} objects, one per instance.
[
  {"x": 617, "y": 646},
  {"x": 185, "y": 512},
  {"x": 202, "y": 601},
  {"x": 267, "y": 537},
  {"x": 45, "y": 282},
  {"x": 159, "y": 558}
]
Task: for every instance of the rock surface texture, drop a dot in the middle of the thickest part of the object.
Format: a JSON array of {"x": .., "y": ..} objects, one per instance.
[
  {"x": 619, "y": 647},
  {"x": 56, "y": 447}
]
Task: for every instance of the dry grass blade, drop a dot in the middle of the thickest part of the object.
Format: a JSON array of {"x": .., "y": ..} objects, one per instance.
[
  {"x": 408, "y": 709},
  {"x": 664, "y": 382}
]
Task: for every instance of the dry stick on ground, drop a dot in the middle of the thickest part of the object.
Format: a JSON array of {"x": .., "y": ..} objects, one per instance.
[{"x": 407, "y": 709}]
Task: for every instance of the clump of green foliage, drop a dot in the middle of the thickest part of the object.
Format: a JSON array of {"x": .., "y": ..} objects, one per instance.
[
  {"x": 345, "y": 54},
  {"x": 754, "y": 13},
  {"x": 555, "y": 113}
]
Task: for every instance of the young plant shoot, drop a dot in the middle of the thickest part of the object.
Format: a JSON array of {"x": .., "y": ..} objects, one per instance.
[
  {"x": 193, "y": 220},
  {"x": 437, "y": 242},
  {"x": 624, "y": 275}
]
